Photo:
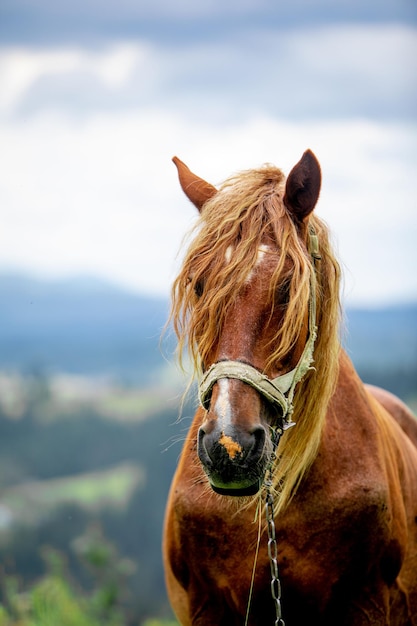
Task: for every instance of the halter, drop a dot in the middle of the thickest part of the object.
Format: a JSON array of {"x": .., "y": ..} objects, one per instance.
[{"x": 277, "y": 391}]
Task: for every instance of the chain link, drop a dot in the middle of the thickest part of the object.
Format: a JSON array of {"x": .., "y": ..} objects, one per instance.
[{"x": 272, "y": 542}]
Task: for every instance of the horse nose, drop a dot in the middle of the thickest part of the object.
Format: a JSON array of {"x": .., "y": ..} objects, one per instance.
[
  {"x": 231, "y": 458},
  {"x": 235, "y": 445}
]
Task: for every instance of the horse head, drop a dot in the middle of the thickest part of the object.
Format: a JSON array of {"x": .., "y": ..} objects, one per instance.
[{"x": 247, "y": 296}]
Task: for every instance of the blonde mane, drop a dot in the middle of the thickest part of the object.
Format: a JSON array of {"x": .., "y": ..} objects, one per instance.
[{"x": 247, "y": 210}]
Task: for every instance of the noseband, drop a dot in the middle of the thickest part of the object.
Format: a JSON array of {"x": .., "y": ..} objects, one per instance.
[{"x": 277, "y": 391}]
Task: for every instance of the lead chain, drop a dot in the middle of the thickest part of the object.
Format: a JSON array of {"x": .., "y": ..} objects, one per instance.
[{"x": 272, "y": 542}]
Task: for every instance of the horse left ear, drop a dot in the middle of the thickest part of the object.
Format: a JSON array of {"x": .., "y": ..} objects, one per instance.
[
  {"x": 195, "y": 188},
  {"x": 302, "y": 188}
]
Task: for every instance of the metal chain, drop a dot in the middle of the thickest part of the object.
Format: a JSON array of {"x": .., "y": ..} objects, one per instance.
[{"x": 272, "y": 542}]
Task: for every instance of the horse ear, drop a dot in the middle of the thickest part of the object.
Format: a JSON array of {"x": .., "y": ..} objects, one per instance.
[
  {"x": 196, "y": 189},
  {"x": 303, "y": 187}
]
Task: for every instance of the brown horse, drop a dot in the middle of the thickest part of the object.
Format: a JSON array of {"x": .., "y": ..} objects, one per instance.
[{"x": 256, "y": 303}]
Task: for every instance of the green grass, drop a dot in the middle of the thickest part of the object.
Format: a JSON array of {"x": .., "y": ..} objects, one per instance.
[
  {"x": 63, "y": 395},
  {"x": 92, "y": 491},
  {"x": 56, "y": 601}
]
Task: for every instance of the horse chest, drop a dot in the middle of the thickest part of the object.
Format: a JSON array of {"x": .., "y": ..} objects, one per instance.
[
  {"x": 216, "y": 539},
  {"x": 324, "y": 549}
]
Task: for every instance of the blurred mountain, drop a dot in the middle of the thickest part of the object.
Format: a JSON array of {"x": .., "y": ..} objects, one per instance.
[
  {"x": 382, "y": 343},
  {"x": 88, "y": 326},
  {"x": 80, "y": 325},
  {"x": 381, "y": 338}
]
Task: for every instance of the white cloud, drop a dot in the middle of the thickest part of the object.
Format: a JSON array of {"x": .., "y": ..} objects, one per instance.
[
  {"x": 97, "y": 192},
  {"x": 21, "y": 68},
  {"x": 103, "y": 197}
]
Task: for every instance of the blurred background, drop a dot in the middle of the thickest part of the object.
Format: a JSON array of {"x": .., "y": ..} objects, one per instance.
[{"x": 95, "y": 99}]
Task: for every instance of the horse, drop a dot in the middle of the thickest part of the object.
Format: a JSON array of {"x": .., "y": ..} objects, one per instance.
[{"x": 283, "y": 417}]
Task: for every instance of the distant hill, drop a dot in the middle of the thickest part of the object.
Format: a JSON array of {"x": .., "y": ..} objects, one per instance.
[
  {"x": 383, "y": 337},
  {"x": 81, "y": 325},
  {"x": 382, "y": 343},
  {"x": 89, "y": 326}
]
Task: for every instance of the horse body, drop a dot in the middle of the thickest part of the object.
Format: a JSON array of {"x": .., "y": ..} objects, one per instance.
[
  {"x": 342, "y": 542},
  {"x": 347, "y": 534}
]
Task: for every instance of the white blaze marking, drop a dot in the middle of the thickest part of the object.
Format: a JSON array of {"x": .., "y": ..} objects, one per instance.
[
  {"x": 260, "y": 257},
  {"x": 261, "y": 252},
  {"x": 224, "y": 413},
  {"x": 222, "y": 407},
  {"x": 228, "y": 254}
]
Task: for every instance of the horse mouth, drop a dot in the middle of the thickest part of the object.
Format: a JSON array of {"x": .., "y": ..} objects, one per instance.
[
  {"x": 237, "y": 491},
  {"x": 232, "y": 480}
]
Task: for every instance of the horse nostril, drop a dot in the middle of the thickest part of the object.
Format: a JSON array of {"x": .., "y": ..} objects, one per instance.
[
  {"x": 258, "y": 442},
  {"x": 202, "y": 449},
  {"x": 260, "y": 436}
]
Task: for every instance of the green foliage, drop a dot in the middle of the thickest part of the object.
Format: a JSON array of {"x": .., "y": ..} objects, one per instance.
[
  {"x": 50, "y": 602},
  {"x": 55, "y": 600},
  {"x": 59, "y": 477}
]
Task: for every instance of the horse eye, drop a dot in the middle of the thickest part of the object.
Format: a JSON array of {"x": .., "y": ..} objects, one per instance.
[
  {"x": 283, "y": 292},
  {"x": 199, "y": 288}
]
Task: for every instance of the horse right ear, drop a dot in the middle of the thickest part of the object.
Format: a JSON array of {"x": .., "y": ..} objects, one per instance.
[
  {"x": 302, "y": 188},
  {"x": 195, "y": 188}
]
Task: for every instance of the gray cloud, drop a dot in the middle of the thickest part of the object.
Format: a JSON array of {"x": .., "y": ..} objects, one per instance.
[
  {"x": 331, "y": 72},
  {"x": 91, "y": 22}
]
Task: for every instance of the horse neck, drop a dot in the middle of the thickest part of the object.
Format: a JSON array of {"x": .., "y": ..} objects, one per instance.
[{"x": 300, "y": 445}]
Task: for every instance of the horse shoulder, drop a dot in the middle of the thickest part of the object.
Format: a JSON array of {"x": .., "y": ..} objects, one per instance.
[
  {"x": 401, "y": 452},
  {"x": 398, "y": 441},
  {"x": 351, "y": 525},
  {"x": 397, "y": 409},
  {"x": 339, "y": 514},
  {"x": 383, "y": 432}
]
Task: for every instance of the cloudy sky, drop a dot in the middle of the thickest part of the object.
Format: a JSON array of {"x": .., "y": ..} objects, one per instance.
[{"x": 97, "y": 96}]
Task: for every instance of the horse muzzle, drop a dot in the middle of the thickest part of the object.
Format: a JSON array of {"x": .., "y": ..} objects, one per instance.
[{"x": 234, "y": 461}]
